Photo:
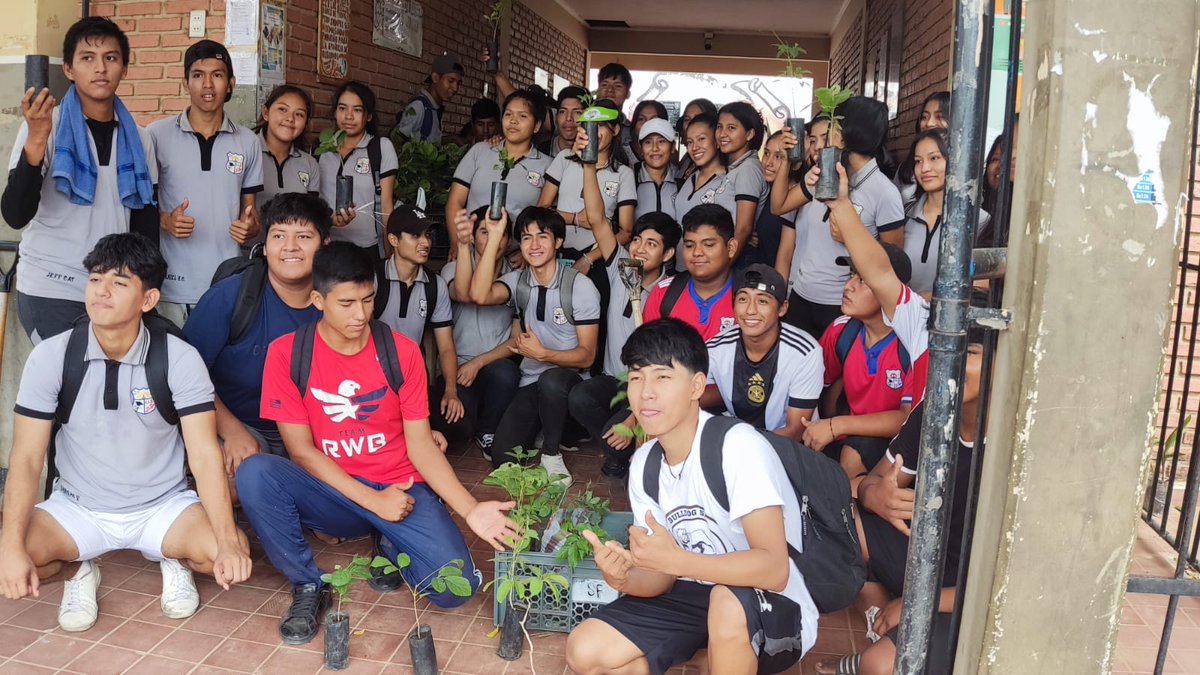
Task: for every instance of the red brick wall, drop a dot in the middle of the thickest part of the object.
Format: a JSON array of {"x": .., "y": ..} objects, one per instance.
[
  {"x": 158, "y": 37},
  {"x": 846, "y": 63},
  {"x": 537, "y": 43}
]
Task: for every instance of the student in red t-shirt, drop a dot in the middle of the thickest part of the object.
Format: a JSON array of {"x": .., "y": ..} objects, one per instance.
[
  {"x": 705, "y": 300},
  {"x": 363, "y": 458}
]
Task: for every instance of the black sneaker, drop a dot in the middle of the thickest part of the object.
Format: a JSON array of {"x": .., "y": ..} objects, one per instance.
[
  {"x": 381, "y": 581},
  {"x": 614, "y": 469},
  {"x": 303, "y": 618}
]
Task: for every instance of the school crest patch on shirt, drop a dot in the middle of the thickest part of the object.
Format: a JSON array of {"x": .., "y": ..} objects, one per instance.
[
  {"x": 535, "y": 179},
  {"x": 727, "y": 322},
  {"x": 423, "y": 307},
  {"x": 235, "y": 162},
  {"x": 610, "y": 188},
  {"x": 708, "y": 197},
  {"x": 756, "y": 391},
  {"x": 560, "y": 317},
  {"x": 304, "y": 177},
  {"x": 363, "y": 165},
  {"x": 895, "y": 379},
  {"x": 143, "y": 402}
]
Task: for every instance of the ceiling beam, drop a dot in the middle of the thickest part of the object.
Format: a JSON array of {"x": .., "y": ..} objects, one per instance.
[{"x": 694, "y": 43}]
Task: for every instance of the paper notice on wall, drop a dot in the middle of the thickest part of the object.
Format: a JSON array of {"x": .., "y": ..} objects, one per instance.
[
  {"x": 541, "y": 78},
  {"x": 560, "y": 83},
  {"x": 245, "y": 67},
  {"x": 241, "y": 23}
]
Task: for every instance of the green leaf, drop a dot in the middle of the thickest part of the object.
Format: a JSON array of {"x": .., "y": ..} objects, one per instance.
[
  {"x": 504, "y": 589},
  {"x": 380, "y": 561},
  {"x": 438, "y": 584},
  {"x": 459, "y": 586},
  {"x": 327, "y": 578},
  {"x": 535, "y": 587},
  {"x": 403, "y": 561}
]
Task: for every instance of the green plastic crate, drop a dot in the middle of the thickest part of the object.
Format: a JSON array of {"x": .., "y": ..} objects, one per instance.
[{"x": 586, "y": 591}]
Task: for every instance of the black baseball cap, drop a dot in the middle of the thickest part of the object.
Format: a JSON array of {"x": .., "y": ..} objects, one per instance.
[
  {"x": 206, "y": 49},
  {"x": 407, "y": 220},
  {"x": 764, "y": 278},
  {"x": 901, "y": 265}
]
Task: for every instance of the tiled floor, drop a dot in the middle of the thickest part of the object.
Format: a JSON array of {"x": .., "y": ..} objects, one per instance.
[{"x": 237, "y": 630}]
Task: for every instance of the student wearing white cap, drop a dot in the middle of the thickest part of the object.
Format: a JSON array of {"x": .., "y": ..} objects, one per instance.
[{"x": 655, "y": 175}]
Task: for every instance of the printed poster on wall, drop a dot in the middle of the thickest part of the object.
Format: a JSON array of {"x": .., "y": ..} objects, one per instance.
[
  {"x": 398, "y": 26},
  {"x": 272, "y": 51},
  {"x": 333, "y": 39}
]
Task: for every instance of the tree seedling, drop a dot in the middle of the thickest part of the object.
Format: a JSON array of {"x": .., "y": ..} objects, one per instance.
[{"x": 329, "y": 140}]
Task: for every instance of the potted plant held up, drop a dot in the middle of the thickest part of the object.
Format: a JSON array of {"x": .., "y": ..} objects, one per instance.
[
  {"x": 499, "y": 11},
  {"x": 500, "y": 187},
  {"x": 790, "y": 53},
  {"x": 830, "y": 98}
]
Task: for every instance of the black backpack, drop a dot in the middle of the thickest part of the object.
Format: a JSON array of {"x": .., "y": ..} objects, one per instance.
[
  {"x": 678, "y": 284},
  {"x": 832, "y": 561},
  {"x": 253, "y": 268},
  {"x": 566, "y": 291},
  {"x": 75, "y": 365},
  {"x": 385, "y": 353},
  {"x": 383, "y": 289},
  {"x": 845, "y": 343}
]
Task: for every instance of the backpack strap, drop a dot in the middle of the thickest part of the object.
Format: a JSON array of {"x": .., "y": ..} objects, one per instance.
[
  {"x": 566, "y": 287},
  {"x": 431, "y": 295},
  {"x": 652, "y": 470},
  {"x": 905, "y": 359},
  {"x": 75, "y": 366},
  {"x": 375, "y": 157},
  {"x": 845, "y": 341},
  {"x": 383, "y": 289},
  {"x": 157, "y": 361},
  {"x": 249, "y": 299},
  {"x": 385, "y": 353},
  {"x": 712, "y": 456},
  {"x": 302, "y": 349},
  {"x": 678, "y": 283},
  {"x": 432, "y": 115},
  {"x": 522, "y": 299}
]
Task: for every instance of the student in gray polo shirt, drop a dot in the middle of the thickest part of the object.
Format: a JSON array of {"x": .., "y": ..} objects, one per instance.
[
  {"x": 209, "y": 171},
  {"x": 407, "y": 309},
  {"x": 655, "y": 174},
  {"x": 63, "y": 215},
  {"x": 655, "y": 236},
  {"x": 121, "y": 482},
  {"x": 354, "y": 111},
  {"x": 421, "y": 120},
  {"x": 281, "y": 127},
  {"x": 484, "y": 164},
  {"x": 488, "y": 375},
  {"x": 557, "y": 348},
  {"x": 740, "y": 135},
  {"x": 708, "y": 183}
]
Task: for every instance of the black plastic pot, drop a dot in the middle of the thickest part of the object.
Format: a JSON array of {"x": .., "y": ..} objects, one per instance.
[
  {"x": 512, "y": 633},
  {"x": 424, "y": 654},
  {"x": 345, "y": 192},
  {"x": 827, "y": 182},
  {"x": 37, "y": 73},
  {"x": 493, "y": 63},
  {"x": 591, "y": 153},
  {"x": 499, "y": 197},
  {"x": 796, "y": 124},
  {"x": 337, "y": 640}
]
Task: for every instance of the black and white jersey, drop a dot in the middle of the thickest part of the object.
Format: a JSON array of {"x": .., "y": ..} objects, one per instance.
[{"x": 791, "y": 375}]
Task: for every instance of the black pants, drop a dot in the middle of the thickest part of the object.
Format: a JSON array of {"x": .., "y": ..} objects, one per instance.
[
  {"x": 537, "y": 406},
  {"x": 811, "y": 317},
  {"x": 599, "y": 277},
  {"x": 484, "y": 401},
  {"x": 590, "y": 404},
  {"x": 46, "y": 317}
]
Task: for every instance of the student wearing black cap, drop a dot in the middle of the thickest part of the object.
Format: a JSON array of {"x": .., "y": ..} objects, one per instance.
[{"x": 421, "y": 120}]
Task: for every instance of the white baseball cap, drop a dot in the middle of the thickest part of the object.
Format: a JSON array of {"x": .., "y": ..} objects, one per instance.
[{"x": 657, "y": 126}]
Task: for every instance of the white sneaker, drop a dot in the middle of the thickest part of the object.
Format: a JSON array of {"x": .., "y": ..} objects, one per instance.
[
  {"x": 553, "y": 464},
  {"x": 78, "y": 611},
  {"x": 180, "y": 599}
]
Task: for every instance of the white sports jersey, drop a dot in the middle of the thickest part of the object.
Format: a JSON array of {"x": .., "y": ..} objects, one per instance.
[{"x": 791, "y": 375}]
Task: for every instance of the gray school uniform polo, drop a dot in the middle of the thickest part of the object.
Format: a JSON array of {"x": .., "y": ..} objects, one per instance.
[
  {"x": 61, "y": 234},
  {"x": 544, "y": 316},
  {"x": 481, "y": 166},
  {"x": 407, "y": 310},
  {"x": 922, "y": 243},
  {"x": 478, "y": 329},
  {"x": 617, "y": 187},
  {"x": 212, "y": 174},
  {"x": 361, "y": 230},
  {"x": 620, "y": 312},
  {"x": 821, "y": 280},
  {"x": 298, "y": 173},
  {"x": 749, "y": 182},
  {"x": 718, "y": 189},
  {"x": 117, "y": 454},
  {"x": 652, "y": 197}
]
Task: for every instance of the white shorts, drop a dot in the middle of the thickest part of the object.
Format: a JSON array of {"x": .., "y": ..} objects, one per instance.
[{"x": 96, "y": 533}]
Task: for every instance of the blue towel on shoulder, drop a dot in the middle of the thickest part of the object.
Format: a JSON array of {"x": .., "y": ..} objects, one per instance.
[{"x": 75, "y": 168}]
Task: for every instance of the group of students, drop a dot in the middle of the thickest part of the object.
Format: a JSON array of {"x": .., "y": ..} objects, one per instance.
[{"x": 293, "y": 379}]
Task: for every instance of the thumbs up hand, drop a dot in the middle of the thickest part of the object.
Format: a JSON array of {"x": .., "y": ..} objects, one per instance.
[
  {"x": 245, "y": 227},
  {"x": 177, "y": 223},
  {"x": 656, "y": 551},
  {"x": 887, "y": 499}
]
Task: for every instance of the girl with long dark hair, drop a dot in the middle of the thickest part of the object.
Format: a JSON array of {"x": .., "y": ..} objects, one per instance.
[
  {"x": 935, "y": 114},
  {"x": 280, "y": 128}
]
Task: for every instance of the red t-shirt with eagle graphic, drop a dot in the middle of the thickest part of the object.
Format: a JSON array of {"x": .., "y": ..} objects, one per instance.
[{"x": 356, "y": 420}]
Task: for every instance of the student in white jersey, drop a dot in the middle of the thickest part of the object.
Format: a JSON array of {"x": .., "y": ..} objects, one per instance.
[{"x": 697, "y": 574}]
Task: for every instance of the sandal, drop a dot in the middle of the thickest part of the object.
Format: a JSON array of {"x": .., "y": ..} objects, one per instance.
[{"x": 846, "y": 665}]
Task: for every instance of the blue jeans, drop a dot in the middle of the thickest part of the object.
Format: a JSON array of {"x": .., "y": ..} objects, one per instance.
[{"x": 280, "y": 499}]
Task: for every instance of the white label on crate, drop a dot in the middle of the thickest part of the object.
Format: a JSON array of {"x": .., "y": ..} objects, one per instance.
[{"x": 593, "y": 591}]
